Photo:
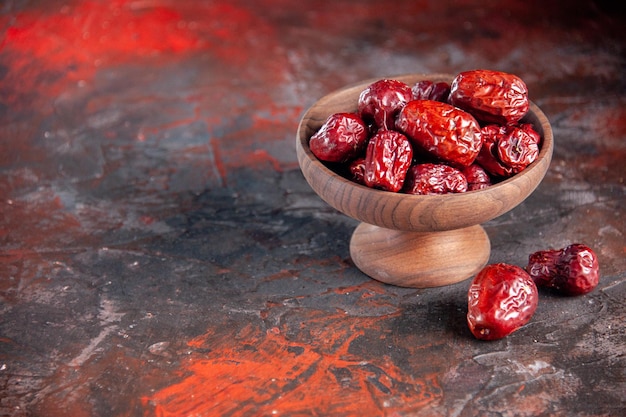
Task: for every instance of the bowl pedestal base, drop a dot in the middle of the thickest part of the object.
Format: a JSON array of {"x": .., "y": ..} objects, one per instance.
[{"x": 419, "y": 259}]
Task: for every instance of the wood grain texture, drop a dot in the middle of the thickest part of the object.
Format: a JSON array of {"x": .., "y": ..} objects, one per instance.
[
  {"x": 416, "y": 240},
  {"x": 419, "y": 259}
]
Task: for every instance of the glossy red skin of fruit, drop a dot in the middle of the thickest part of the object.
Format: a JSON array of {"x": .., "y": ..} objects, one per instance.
[
  {"x": 508, "y": 150},
  {"x": 441, "y": 131},
  {"x": 341, "y": 138},
  {"x": 424, "y": 179},
  {"x": 488, "y": 156},
  {"x": 387, "y": 159},
  {"x": 429, "y": 90},
  {"x": 490, "y": 96},
  {"x": 518, "y": 147},
  {"x": 477, "y": 177},
  {"x": 381, "y": 102},
  {"x": 357, "y": 170},
  {"x": 573, "y": 270},
  {"x": 501, "y": 299}
]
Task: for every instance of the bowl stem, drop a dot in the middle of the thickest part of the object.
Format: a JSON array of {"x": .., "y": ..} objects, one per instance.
[{"x": 419, "y": 259}]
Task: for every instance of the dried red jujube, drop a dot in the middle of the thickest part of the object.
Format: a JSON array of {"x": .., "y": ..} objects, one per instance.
[
  {"x": 429, "y": 90},
  {"x": 490, "y": 96},
  {"x": 488, "y": 156},
  {"x": 387, "y": 159},
  {"x": 427, "y": 178},
  {"x": 508, "y": 150},
  {"x": 341, "y": 138},
  {"x": 573, "y": 270},
  {"x": 357, "y": 170},
  {"x": 381, "y": 102},
  {"x": 501, "y": 299},
  {"x": 477, "y": 177},
  {"x": 441, "y": 131},
  {"x": 518, "y": 147}
]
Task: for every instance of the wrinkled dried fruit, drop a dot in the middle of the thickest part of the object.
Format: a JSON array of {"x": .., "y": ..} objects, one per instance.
[
  {"x": 429, "y": 178},
  {"x": 342, "y": 137},
  {"x": 441, "y": 130},
  {"x": 387, "y": 160},
  {"x": 472, "y": 125},
  {"x": 357, "y": 170},
  {"x": 477, "y": 177},
  {"x": 428, "y": 90},
  {"x": 508, "y": 150},
  {"x": 573, "y": 270},
  {"x": 381, "y": 102},
  {"x": 518, "y": 147},
  {"x": 501, "y": 299},
  {"x": 490, "y": 96},
  {"x": 488, "y": 156}
]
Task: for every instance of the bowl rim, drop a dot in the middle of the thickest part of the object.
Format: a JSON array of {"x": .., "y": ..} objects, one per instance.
[{"x": 535, "y": 171}]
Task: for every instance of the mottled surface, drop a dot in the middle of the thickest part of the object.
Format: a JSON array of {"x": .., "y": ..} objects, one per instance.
[{"x": 162, "y": 255}]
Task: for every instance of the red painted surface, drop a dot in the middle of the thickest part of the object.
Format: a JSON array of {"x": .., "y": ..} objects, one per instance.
[
  {"x": 268, "y": 374},
  {"x": 79, "y": 37},
  {"x": 53, "y": 51},
  {"x": 161, "y": 255}
]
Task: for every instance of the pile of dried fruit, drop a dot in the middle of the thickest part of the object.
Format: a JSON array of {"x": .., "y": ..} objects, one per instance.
[
  {"x": 432, "y": 138},
  {"x": 502, "y": 298},
  {"x": 438, "y": 138}
]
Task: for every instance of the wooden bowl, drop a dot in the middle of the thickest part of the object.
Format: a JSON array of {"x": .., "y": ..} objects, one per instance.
[{"x": 416, "y": 240}]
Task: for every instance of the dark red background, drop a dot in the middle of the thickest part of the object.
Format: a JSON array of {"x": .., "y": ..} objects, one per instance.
[{"x": 162, "y": 255}]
